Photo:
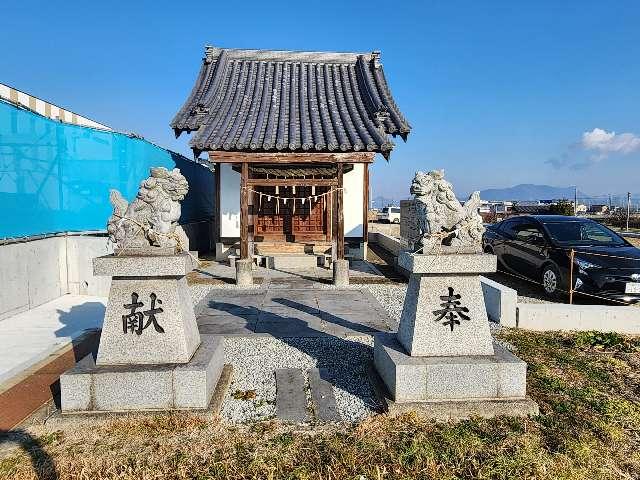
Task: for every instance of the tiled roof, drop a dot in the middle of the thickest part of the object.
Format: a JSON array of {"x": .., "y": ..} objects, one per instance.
[{"x": 269, "y": 101}]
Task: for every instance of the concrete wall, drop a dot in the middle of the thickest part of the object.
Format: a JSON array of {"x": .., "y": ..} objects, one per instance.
[
  {"x": 500, "y": 301},
  {"x": 390, "y": 244},
  {"x": 557, "y": 316},
  {"x": 38, "y": 271}
]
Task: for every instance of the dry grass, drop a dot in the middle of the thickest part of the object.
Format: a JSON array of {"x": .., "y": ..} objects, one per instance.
[{"x": 589, "y": 427}]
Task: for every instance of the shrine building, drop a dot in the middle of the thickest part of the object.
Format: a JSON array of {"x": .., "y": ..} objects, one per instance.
[{"x": 291, "y": 136}]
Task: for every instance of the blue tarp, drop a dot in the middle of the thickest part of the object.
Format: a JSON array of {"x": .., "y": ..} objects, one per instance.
[{"x": 55, "y": 177}]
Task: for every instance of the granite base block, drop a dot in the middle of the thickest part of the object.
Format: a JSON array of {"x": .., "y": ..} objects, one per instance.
[
  {"x": 172, "y": 338},
  {"x": 424, "y": 328},
  {"x": 117, "y": 388},
  {"x": 418, "y": 379}
]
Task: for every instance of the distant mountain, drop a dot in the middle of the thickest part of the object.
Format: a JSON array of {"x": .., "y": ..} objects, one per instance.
[{"x": 529, "y": 192}]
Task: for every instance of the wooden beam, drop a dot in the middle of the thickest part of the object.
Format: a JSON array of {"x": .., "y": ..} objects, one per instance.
[
  {"x": 340, "y": 214},
  {"x": 365, "y": 202},
  {"x": 248, "y": 157},
  {"x": 244, "y": 212},
  {"x": 282, "y": 182}
]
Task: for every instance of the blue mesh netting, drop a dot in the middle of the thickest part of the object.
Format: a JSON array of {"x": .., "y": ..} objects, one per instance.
[{"x": 55, "y": 177}]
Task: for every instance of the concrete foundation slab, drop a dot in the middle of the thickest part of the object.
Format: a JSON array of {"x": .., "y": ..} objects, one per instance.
[
  {"x": 464, "y": 409},
  {"x": 92, "y": 388}
]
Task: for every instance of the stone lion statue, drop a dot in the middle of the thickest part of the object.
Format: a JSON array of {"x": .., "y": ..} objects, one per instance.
[
  {"x": 150, "y": 220},
  {"x": 441, "y": 218}
]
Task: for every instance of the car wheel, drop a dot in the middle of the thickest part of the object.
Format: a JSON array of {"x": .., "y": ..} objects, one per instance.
[
  {"x": 396, "y": 220},
  {"x": 488, "y": 249},
  {"x": 551, "y": 282}
]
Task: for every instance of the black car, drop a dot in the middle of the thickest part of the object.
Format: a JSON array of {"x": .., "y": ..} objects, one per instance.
[{"x": 539, "y": 246}]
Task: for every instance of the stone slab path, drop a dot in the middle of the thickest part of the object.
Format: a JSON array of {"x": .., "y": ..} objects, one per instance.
[
  {"x": 313, "y": 277},
  {"x": 291, "y": 400},
  {"x": 296, "y": 311}
]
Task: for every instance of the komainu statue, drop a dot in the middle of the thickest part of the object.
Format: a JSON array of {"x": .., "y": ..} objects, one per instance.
[
  {"x": 148, "y": 224},
  {"x": 441, "y": 219}
]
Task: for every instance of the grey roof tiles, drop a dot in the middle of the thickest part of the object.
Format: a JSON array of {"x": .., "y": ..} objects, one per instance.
[{"x": 269, "y": 101}]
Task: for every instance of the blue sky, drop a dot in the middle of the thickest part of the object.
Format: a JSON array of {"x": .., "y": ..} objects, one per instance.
[{"x": 497, "y": 92}]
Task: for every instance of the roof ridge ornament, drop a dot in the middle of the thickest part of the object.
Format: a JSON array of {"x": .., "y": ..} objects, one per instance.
[
  {"x": 208, "y": 54},
  {"x": 375, "y": 57}
]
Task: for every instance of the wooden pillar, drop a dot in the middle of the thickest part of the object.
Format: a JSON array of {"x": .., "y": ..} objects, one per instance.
[
  {"x": 365, "y": 202},
  {"x": 340, "y": 214},
  {"x": 244, "y": 212}
]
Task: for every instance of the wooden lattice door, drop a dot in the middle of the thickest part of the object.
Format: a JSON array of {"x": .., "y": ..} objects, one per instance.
[{"x": 304, "y": 222}]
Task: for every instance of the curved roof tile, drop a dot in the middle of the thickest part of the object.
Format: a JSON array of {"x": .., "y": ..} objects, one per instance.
[{"x": 265, "y": 100}]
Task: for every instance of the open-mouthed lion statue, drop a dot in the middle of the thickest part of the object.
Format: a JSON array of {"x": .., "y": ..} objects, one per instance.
[
  {"x": 441, "y": 219},
  {"x": 150, "y": 220}
]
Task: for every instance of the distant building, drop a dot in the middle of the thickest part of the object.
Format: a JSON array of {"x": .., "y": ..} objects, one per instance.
[{"x": 598, "y": 209}]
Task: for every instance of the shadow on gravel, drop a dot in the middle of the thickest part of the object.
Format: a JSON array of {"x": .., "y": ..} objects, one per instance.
[{"x": 344, "y": 361}]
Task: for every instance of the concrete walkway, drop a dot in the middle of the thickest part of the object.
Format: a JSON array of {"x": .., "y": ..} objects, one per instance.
[
  {"x": 298, "y": 310},
  {"x": 31, "y": 336}
]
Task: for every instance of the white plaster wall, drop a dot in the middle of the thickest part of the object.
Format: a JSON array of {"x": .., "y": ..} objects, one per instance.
[
  {"x": 229, "y": 202},
  {"x": 353, "y": 197}
]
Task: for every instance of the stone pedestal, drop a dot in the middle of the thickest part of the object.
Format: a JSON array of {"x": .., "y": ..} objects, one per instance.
[
  {"x": 443, "y": 360},
  {"x": 151, "y": 355},
  {"x": 244, "y": 272},
  {"x": 341, "y": 273},
  {"x": 149, "y": 317}
]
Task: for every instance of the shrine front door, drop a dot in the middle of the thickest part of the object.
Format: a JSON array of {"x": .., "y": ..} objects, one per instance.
[{"x": 301, "y": 220}]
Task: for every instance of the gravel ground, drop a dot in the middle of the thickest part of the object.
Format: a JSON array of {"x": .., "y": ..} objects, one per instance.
[
  {"x": 252, "y": 392},
  {"x": 256, "y": 359}
]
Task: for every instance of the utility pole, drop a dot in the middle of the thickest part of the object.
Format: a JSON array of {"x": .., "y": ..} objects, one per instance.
[
  {"x": 575, "y": 201},
  {"x": 609, "y": 203},
  {"x": 628, "y": 208}
]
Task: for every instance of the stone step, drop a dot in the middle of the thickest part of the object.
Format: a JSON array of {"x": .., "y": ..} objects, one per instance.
[
  {"x": 276, "y": 248},
  {"x": 292, "y": 261},
  {"x": 322, "y": 398},
  {"x": 291, "y": 401}
]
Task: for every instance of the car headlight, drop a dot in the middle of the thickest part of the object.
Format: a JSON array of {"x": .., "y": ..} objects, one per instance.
[{"x": 584, "y": 265}]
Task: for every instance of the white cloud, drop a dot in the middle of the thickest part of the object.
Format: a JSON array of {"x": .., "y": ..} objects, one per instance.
[{"x": 604, "y": 142}]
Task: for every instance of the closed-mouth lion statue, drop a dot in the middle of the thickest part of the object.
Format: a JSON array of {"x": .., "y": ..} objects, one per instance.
[{"x": 441, "y": 218}]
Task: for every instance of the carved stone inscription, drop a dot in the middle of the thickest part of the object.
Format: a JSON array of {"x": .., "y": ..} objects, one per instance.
[
  {"x": 451, "y": 310},
  {"x": 134, "y": 321}
]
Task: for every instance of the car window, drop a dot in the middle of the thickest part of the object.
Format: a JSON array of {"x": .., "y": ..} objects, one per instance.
[
  {"x": 529, "y": 233},
  {"x": 395, "y": 210},
  {"x": 582, "y": 233},
  {"x": 509, "y": 227}
]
